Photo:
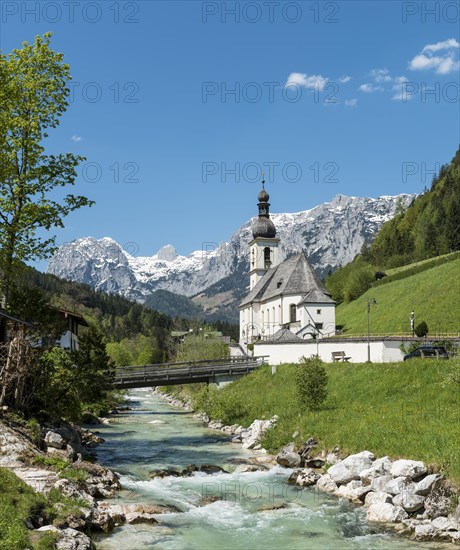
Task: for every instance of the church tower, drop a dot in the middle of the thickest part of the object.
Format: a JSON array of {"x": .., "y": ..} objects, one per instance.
[{"x": 264, "y": 247}]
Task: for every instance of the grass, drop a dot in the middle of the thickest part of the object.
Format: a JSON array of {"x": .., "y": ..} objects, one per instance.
[
  {"x": 64, "y": 468},
  {"x": 433, "y": 294},
  {"x": 20, "y": 504},
  {"x": 403, "y": 410},
  {"x": 440, "y": 259}
]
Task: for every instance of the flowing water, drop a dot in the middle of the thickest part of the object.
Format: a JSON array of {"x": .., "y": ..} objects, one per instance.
[{"x": 256, "y": 510}]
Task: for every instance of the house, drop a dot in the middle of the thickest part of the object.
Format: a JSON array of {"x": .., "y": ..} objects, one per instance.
[
  {"x": 11, "y": 325},
  {"x": 72, "y": 322},
  {"x": 283, "y": 296}
]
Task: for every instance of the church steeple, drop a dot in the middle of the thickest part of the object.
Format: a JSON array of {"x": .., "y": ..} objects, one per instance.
[{"x": 264, "y": 251}]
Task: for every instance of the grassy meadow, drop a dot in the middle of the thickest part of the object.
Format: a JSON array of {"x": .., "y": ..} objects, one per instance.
[
  {"x": 433, "y": 294},
  {"x": 406, "y": 410}
]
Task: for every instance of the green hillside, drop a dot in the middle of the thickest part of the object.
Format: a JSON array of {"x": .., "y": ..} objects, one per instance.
[
  {"x": 174, "y": 305},
  {"x": 408, "y": 409},
  {"x": 433, "y": 294},
  {"x": 420, "y": 266},
  {"x": 427, "y": 230}
]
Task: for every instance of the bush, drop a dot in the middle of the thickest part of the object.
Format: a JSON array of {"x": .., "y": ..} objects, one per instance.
[
  {"x": 311, "y": 383},
  {"x": 421, "y": 329}
]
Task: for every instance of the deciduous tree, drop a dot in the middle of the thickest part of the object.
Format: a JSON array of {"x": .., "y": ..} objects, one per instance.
[{"x": 33, "y": 97}]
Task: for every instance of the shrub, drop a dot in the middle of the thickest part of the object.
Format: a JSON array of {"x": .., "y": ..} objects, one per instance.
[
  {"x": 421, "y": 329},
  {"x": 311, "y": 382}
]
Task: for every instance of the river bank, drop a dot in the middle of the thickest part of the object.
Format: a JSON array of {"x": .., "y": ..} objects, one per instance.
[
  {"x": 406, "y": 495},
  {"x": 227, "y": 510},
  {"x": 247, "y": 500},
  {"x": 56, "y": 461}
]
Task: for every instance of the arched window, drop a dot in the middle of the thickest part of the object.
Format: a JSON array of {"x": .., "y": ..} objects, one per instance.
[
  {"x": 267, "y": 258},
  {"x": 293, "y": 313}
]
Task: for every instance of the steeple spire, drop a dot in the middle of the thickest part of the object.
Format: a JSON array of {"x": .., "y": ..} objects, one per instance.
[{"x": 264, "y": 226}]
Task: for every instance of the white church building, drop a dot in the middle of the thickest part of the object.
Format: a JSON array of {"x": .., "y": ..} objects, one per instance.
[
  {"x": 287, "y": 302},
  {"x": 288, "y": 313}
]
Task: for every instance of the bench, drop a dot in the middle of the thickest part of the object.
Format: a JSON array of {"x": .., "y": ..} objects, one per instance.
[{"x": 339, "y": 356}]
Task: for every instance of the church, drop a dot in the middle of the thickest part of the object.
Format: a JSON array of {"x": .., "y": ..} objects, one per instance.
[{"x": 287, "y": 302}]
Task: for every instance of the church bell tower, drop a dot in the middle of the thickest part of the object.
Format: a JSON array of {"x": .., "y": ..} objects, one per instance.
[{"x": 264, "y": 247}]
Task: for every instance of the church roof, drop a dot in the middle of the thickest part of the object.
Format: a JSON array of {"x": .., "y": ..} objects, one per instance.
[
  {"x": 293, "y": 276},
  {"x": 285, "y": 335}
]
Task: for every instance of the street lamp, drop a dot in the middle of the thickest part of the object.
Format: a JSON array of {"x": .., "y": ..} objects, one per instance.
[{"x": 369, "y": 303}]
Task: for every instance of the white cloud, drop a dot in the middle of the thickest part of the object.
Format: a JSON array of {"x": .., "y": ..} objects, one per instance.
[
  {"x": 344, "y": 79},
  {"x": 351, "y": 102},
  {"x": 381, "y": 75},
  {"x": 305, "y": 81},
  {"x": 370, "y": 88},
  {"x": 443, "y": 63},
  {"x": 401, "y": 93},
  {"x": 76, "y": 138},
  {"x": 446, "y": 45}
]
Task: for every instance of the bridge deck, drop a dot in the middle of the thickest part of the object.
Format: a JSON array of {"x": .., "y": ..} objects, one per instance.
[{"x": 170, "y": 374}]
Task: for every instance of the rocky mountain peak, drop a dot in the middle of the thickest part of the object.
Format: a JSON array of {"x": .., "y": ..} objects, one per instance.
[
  {"x": 331, "y": 233},
  {"x": 167, "y": 253}
]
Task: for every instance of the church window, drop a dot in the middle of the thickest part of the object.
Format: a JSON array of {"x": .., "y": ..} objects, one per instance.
[
  {"x": 318, "y": 312},
  {"x": 318, "y": 326},
  {"x": 293, "y": 313},
  {"x": 267, "y": 259}
]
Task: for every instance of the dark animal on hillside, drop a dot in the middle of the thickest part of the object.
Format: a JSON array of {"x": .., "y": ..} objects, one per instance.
[{"x": 379, "y": 275}]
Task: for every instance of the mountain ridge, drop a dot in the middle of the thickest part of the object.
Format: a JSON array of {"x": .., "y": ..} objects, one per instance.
[{"x": 332, "y": 234}]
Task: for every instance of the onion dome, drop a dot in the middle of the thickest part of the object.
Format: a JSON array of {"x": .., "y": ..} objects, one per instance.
[
  {"x": 263, "y": 196},
  {"x": 264, "y": 227}
]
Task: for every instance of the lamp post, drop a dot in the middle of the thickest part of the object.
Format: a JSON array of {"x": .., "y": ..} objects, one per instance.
[{"x": 369, "y": 303}]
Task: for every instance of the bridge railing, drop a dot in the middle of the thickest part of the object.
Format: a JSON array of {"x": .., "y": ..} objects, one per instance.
[{"x": 195, "y": 369}]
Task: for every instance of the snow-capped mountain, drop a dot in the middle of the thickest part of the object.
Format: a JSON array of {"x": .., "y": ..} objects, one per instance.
[{"x": 331, "y": 233}]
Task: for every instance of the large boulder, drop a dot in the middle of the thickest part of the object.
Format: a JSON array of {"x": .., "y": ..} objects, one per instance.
[
  {"x": 408, "y": 468},
  {"x": 355, "y": 491},
  {"x": 307, "y": 477},
  {"x": 378, "y": 483},
  {"x": 134, "y": 518},
  {"x": 409, "y": 501},
  {"x": 351, "y": 467},
  {"x": 326, "y": 484},
  {"x": 288, "y": 457},
  {"x": 424, "y": 531},
  {"x": 455, "y": 517},
  {"x": 54, "y": 440},
  {"x": 425, "y": 485},
  {"x": 380, "y": 467},
  {"x": 399, "y": 485},
  {"x": 70, "y": 539},
  {"x": 438, "y": 502},
  {"x": 386, "y": 513},
  {"x": 13, "y": 448},
  {"x": 72, "y": 490},
  {"x": 377, "y": 498},
  {"x": 444, "y": 524}
]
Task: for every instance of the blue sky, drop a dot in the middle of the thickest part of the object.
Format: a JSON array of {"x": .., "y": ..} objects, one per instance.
[{"x": 333, "y": 97}]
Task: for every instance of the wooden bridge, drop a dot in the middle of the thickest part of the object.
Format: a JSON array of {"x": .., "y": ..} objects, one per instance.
[{"x": 219, "y": 371}]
